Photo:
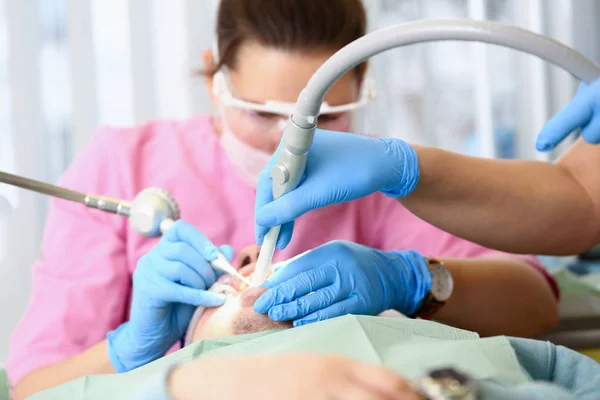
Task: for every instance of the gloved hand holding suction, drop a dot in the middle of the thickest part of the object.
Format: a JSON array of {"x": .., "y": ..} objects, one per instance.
[
  {"x": 168, "y": 284},
  {"x": 345, "y": 278}
]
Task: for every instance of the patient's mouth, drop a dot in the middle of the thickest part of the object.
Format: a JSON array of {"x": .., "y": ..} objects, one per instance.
[
  {"x": 223, "y": 288},
  {"x": 245, "y": 272}
]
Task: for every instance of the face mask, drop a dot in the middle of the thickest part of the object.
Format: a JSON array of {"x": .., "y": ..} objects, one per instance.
[{"x": 248, "y": 161}]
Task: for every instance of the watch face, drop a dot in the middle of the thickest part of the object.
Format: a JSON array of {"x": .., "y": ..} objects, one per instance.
[
  {"x": 448, "y": 383},
  {"x": 441, "y": 282}
]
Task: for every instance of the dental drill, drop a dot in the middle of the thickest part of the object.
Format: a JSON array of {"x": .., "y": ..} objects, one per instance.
[
  {"x": 152, "y": 212},
  {"x": 298, "y": 135}
]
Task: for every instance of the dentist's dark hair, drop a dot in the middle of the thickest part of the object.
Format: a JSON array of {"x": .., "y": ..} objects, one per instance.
[{"x": 291, "y": 25}]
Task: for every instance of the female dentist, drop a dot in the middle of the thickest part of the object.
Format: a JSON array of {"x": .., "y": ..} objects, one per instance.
[
  {"x": 512, "y": 205},
  {"x": 104, "y": 299}
]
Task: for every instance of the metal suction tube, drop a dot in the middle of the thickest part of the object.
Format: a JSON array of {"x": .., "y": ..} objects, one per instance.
[{"x": 298, "y": 136}]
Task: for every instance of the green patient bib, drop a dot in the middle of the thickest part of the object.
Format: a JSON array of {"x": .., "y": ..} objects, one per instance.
[{"x": 406, "y": 346}]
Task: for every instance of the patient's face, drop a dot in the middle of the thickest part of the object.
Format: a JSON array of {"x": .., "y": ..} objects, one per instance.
[{"x": 236, "y": 316}]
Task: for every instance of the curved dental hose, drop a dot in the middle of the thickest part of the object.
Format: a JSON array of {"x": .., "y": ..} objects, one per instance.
[{"x": 298, "y": 135}]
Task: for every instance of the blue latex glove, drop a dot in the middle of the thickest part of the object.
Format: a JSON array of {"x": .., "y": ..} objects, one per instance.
[
  {"x": 346, "y": 278},
  {"x": 583, "y": 112},
  {"x": 340, "y": 167},
  {"x": 169, "y": 282}
]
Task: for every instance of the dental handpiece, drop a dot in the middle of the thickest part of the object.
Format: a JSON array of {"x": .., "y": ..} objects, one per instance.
[
  {"x": 222, "y": 264},
  {"x": 151, "y": 213}
]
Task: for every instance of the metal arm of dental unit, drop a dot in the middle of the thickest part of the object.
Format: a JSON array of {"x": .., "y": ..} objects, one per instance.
[
  {"x": 151, "y": 213},
  {"x": 298, "y": 135}
]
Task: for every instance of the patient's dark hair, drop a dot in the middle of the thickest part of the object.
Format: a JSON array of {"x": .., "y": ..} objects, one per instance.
[{"x": 293, "y": 25}]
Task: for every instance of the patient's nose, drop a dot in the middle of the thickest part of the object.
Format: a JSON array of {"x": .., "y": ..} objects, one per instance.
[{"x": 248, "y": 255}]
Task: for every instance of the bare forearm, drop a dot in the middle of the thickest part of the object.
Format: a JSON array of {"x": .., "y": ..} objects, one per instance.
[
  {"x": 515, "y": 206},
  {"x": 499, "y": 297},
  {"x": 92, "y": 361}
]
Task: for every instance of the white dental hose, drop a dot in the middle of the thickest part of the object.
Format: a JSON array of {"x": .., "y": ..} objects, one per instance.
[{"x": 297, "y": 137}]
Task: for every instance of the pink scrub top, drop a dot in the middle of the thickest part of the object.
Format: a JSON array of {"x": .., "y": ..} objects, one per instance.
[{"x": 81, "y": 285}]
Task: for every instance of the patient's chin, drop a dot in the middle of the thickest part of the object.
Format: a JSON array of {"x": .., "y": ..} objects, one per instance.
[
  {"x": 247, "y": 321},
  {"x": 236, "y": 317}
]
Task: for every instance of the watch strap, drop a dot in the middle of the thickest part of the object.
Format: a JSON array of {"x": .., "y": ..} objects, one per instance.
[{"x": 429, "y": 305}]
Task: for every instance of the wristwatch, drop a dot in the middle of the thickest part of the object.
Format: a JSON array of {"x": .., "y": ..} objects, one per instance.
[
  {"x": 442, "y": 285},
  {"x": 447, "y": 384}
]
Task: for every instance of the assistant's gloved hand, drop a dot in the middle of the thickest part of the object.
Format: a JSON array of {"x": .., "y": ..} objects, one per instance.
[
  {"x": 583, "y": 112},
  {"x": 168, "y": 284},
  {"x": 340, "y": 167},
  {"x": 346, "y": 278}
]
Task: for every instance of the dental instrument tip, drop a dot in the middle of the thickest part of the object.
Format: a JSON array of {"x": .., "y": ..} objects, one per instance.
[{"x": 222, "y": 264}]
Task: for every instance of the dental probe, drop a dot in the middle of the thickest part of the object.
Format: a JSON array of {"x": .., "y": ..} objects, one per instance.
[
  {"x": 298, "y": 135},
  {"x": 151, "y": 213},
  {"x": 222, "y": 264}
]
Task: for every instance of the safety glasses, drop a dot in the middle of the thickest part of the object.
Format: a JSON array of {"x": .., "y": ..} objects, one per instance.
[{"x": 222, "y": 90}]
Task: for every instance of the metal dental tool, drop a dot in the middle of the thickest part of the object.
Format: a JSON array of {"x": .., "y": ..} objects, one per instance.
[
  {"x": 222, "y": 264},
  {"x": 151, "y": 213},
  {"x": 298, "y": 136}
]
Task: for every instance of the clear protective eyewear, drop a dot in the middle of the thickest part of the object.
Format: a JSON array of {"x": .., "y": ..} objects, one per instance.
[{"x": 268, "y": 116}]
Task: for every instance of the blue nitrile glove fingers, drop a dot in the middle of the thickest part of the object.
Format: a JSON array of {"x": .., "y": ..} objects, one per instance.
[
  {"x": 341, "y": 278},
  {"x": 228, "y": 252},
  {"x": 416, "y": 277},
  {"x": 169, "y": 282},
  {"x": 340, "y": 167},
  {"x": 583, "y": 112},
  {"x": 405, "y": 175}
]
